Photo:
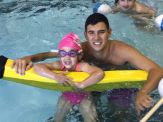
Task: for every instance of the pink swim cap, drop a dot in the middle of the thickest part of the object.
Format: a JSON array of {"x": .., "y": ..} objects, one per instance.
[{"x": 70, "y": 40}]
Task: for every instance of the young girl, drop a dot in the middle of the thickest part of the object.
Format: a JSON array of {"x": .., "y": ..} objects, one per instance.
[{"x": 70, "y": 54}]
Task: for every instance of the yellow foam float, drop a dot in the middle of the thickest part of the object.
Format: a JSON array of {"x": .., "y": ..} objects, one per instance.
[{"x": 112, "y": 79}]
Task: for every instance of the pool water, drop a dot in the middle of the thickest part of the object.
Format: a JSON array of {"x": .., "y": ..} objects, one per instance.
[{"x": 33, "y": 26}]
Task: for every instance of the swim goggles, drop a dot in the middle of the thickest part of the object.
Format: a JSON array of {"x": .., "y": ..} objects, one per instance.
[{"x": 71, "y": 53}]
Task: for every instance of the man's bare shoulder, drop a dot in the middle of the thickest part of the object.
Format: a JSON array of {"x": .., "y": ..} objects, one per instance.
[
  {"x": 118, "y": 47},
  {"x": 119, "y": 44}
]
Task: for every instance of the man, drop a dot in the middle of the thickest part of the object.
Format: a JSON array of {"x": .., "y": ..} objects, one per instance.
[{"x": 97, "y": 48}]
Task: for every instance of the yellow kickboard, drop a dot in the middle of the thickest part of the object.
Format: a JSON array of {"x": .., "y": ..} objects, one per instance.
[{"x": 112, "y": 79}]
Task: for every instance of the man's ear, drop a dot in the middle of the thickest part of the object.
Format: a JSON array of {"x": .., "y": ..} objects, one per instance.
[{"x": 109, "y": 30}]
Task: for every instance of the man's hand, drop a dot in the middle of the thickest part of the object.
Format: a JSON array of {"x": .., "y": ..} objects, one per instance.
[
  {"x": 143, "y": 101},
  {"x": 21, "y": 65}
]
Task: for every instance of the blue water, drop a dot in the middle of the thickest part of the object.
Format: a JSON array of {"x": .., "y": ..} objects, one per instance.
[{"x": 32, "y": 26}]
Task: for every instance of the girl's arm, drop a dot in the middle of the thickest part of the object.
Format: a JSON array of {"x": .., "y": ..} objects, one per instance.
[
  {"x": 46, "y": 70},
  {"x": 96, "y": 74}
]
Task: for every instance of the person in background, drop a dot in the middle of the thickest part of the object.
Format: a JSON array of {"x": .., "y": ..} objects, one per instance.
[
  {"x": 143, "y": 13},
  {"x": 133, "y": 7},
  {"x": 100, "y": 49},
  {"x": 70, "y": 53}
]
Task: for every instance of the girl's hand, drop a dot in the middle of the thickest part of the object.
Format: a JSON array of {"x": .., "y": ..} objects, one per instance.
[
  {"x": 79, "y": 85},
  {"x": 63, "y": 79},
  {"x": 76, "y": 86}
]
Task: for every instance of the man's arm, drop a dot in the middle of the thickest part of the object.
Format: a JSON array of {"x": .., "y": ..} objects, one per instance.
[
  {"x": 155, "y": 73},
  {"x": 22, "y": 64}
]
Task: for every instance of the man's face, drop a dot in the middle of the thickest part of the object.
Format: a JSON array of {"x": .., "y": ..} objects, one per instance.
[
  {"x": 97, "y": 35},
  {"x": 125, "y": 5}
]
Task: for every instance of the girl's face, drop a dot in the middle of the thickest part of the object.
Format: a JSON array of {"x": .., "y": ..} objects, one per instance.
[
  {"x": 68, "y": 57},
  {"x": 125, "y": 5}
]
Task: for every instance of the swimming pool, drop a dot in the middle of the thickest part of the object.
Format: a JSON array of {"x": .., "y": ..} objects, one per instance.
[{"x": 33, "y": 26}]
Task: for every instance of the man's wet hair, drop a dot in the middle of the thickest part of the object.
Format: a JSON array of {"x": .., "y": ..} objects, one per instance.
[{"x": 95, "y": 18}]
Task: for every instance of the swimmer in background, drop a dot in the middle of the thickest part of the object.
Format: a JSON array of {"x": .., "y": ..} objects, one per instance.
[
  {"x": 70, "y": 53},
  {"x": 143, "y": 13},
  {"x": 134, "y": 8}
]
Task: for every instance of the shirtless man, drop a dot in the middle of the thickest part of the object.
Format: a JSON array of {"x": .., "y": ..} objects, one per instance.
[{"x": 100, "y": 49}]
